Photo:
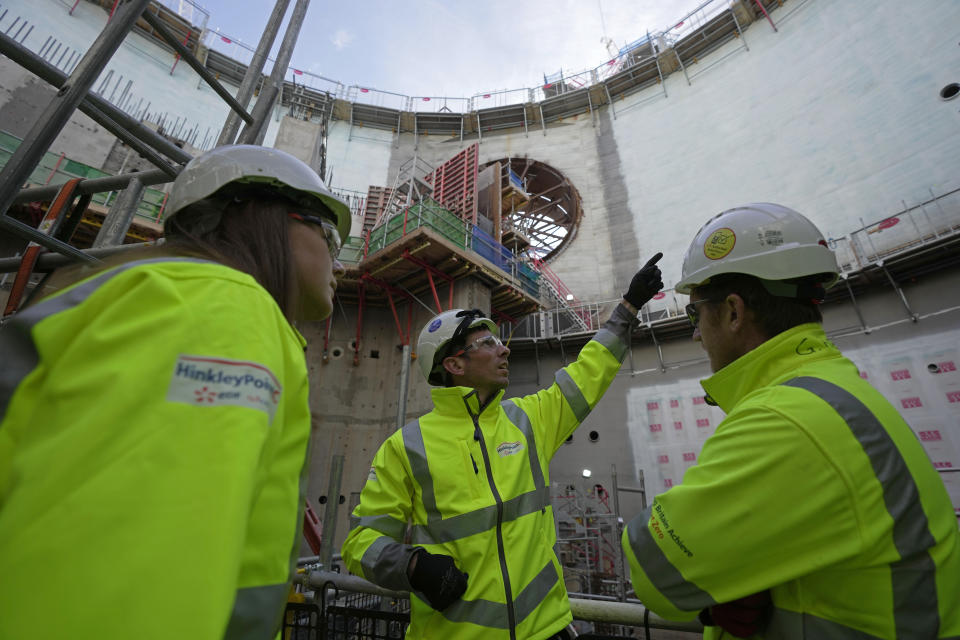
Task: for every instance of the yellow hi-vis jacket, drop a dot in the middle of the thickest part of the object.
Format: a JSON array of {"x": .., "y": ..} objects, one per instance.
[
  {"x": 815, "y": 488},
  {"x": 153, "y": 428},
  {"x": 475, "y": 485}
]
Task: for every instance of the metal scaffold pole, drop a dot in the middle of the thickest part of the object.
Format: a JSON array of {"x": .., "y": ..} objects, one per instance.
[
  {"x": 404, "y": 384},
  {"x": 118, "y": 219},
  {"x": 254, "y": 71},
  {"x": 330, "y": 510},
  {"x": 254, "y": 133}
]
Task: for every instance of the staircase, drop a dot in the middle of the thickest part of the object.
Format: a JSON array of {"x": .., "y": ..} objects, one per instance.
[
  {"x": 409, "y": 188},
  {"x": 559, "y": 296}
]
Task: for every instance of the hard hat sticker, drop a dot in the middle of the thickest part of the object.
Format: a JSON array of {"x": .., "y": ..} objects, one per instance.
[
  {"x": 719, "y": 244},
  {"x": 434, "y": 325}
]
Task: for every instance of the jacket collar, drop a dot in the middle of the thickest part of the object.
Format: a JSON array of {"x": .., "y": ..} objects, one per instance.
[
  {"x": 774, "y": 360},
  {"x": 460, "y": 401}
]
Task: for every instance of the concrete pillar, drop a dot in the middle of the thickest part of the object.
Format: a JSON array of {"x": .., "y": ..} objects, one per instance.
[{"x": 470, "y": 293}]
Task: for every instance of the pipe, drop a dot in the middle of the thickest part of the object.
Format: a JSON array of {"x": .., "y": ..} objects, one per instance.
[
  {"x": 626, "y": 613},
  {"x": 759, "y": 4},
  {"x": 621, "y": 591},
  {"x": 896, "y": 287},
  {"x": 47, "y": 262},
  {"x": 27, "y": 232},
  {"x": 93, "y": 185}
]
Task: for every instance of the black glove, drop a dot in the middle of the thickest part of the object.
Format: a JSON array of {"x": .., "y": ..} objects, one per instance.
[
  {"x": 645, "y": 283},
  {"x": 741, "y": 618},
  {"x": 437, "y": 578}
]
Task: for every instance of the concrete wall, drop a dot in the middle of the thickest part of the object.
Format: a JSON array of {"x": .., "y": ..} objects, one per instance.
[
  {"x": 23, "y": 97},
  {"x": 837, "y": 115}
]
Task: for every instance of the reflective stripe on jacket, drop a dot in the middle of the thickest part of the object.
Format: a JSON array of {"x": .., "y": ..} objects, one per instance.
[
  {"x": 813, "y": 487},
  {"x": 153, "y": 430},
  {"x": 474, "y": 485}
]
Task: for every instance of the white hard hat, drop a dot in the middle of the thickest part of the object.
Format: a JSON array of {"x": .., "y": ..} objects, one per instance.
[
  {"x": 765, "y": 240},
  {"x": 252, "y": 165},
  {"x": 439, "y": 332}
]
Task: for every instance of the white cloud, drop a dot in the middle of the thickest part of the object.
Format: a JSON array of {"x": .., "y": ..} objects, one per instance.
[{"x": 341, "y": 38}]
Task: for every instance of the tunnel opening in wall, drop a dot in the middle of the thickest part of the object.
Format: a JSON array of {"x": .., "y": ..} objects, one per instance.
[{"x": 541, "y": 208}]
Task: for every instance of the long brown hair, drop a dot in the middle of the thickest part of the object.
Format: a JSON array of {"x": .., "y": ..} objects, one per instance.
[
  {"x": 248, "y": 232},
  {"x": 252, "y": 235}
]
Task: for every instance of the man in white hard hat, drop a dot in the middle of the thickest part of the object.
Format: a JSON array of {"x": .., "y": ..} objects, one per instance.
[
  {"x": 813, "y": 511},
  {"x": 473, "y": 477}
]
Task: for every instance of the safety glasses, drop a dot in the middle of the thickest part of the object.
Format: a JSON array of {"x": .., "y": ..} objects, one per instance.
[
  {"x": 330, "y": 232},
  {"x": 491, "y": 341},
  {"x": 693, "y": 313}
]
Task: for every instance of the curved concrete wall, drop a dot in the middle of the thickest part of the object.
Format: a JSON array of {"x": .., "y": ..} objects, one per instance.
[{"x": 837, "y": 115}]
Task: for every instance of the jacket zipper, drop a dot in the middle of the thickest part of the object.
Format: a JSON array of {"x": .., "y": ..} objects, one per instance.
[{"x": 511, "y": 613}]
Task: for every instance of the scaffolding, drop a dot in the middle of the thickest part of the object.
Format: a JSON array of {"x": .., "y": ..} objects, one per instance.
[{"x": 71, "y": 199}]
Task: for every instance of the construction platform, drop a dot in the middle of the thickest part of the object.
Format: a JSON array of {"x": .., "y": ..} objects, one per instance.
[{"x": 423, "y": 263}]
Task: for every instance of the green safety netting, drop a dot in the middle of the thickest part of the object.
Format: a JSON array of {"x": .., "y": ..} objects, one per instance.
[
  {"x": 54, "y": 169},
  {"x": 430, "y": 214}
]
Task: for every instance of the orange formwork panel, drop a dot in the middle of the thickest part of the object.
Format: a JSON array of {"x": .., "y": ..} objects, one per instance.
[{"x": 455, "y": 183}]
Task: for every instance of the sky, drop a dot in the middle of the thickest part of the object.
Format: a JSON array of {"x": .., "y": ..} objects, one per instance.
[{"x": 452, "y": 48}]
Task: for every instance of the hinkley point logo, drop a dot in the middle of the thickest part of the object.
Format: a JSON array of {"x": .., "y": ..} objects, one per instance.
[
  {"x": 509, "y": 448},
  {"x": 211, "y": 382}
]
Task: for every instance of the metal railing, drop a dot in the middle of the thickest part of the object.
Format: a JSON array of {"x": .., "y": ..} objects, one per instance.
[
  {"x": 644, "y": 48},
  {"x": 908, "y": 229},
  {"x": 189, "y": 10},
  {"x": 339, "y": 590},
  {"x": 429, "y": 214}
]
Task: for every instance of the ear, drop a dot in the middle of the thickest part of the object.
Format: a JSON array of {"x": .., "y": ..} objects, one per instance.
[
  {"x": 453, "y": 365},
  {"x": 735, "y": 311}
]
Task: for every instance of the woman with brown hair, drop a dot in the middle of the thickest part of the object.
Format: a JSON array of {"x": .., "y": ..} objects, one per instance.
[{"x": 154, "y": 418}]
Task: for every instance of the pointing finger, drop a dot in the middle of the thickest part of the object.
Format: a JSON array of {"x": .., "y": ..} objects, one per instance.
[{"x": 654, "y": 260}]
